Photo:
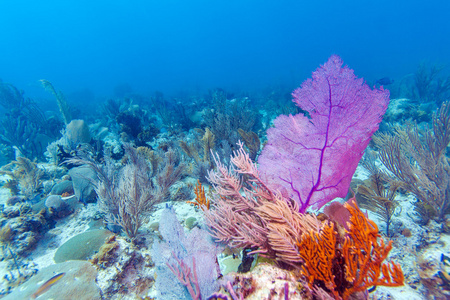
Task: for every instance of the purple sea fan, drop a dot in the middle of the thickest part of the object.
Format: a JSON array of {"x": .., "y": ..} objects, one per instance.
[{"x": 312, "y": 160}]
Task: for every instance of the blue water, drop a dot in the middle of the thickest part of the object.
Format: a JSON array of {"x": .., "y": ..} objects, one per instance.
[{"x": 193, "y": 45}]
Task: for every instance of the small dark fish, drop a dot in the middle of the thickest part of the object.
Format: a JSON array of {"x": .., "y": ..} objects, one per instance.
[
  {"x": 384, "y": 81},
  {"x": 372, "y": 289},
  {"x": 46, "y": 286}
]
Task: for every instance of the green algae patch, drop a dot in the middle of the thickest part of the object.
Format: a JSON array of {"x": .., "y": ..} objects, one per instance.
[
  {"x": 82, "y": 246},
  {"x": 190, "y": 223}
]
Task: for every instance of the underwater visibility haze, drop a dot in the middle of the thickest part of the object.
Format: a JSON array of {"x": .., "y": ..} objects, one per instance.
[{"x": 224, "y": 149}]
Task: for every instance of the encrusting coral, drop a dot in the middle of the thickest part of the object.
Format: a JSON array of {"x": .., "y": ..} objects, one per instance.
[{"x": 105, "y": 253}]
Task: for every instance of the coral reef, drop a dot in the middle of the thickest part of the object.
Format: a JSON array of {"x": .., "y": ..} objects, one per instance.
[{"x": 162, "y": 197}]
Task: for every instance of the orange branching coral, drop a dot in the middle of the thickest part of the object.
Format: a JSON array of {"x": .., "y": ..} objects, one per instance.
[
  {"x": 364, "y": 255},
  {"x": 200, "y": 197},
  {"x": 317, "y": 249},
  {"x": 361, "y": 261}
]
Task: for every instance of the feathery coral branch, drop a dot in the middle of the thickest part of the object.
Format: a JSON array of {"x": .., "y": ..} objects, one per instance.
[{"x": 200, "y": 197}]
